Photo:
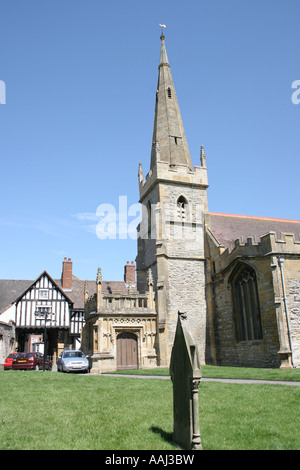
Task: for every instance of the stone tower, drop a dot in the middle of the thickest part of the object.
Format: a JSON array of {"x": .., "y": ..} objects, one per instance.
[{"x": 171, "y": 233}]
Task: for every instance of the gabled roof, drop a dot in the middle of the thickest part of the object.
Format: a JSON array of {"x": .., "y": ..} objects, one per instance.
[
  {"x": 44, "y": 273},
  {"x": 227, "y": 228}
]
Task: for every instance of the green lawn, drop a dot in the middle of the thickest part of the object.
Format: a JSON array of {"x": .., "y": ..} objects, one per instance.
[
  {"x": 227, "y": 372},
  {"x": 48, "y": 410}
]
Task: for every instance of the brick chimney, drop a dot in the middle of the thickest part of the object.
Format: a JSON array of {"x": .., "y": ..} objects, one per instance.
[
  {"x": 129, "y": 273},
  {"x": 66, "y": 276}
]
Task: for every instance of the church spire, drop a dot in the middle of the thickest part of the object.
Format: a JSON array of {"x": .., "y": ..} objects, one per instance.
[{"x": 169, "y": 142}]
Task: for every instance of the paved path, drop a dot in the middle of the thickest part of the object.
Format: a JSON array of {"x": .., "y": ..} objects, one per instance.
[{"x": 207, "y": 379}]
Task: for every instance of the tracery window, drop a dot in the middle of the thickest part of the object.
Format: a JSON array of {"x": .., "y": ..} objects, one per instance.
[{"x": 246, "y": 304}]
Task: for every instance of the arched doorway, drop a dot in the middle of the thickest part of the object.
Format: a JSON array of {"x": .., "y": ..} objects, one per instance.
[{"x": 127, "y": 351}]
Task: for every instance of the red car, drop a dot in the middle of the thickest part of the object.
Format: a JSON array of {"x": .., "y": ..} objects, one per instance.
[
  {"x": 31, "y": 360},
  {"x": 8, "y": 361}
]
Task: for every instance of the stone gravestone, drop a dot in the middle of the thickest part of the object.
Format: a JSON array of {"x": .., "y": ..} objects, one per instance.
[{"x": 186, "y": 375}]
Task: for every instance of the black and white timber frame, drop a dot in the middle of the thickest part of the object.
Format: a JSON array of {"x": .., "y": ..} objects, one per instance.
[{"x": 44, "y": 295}]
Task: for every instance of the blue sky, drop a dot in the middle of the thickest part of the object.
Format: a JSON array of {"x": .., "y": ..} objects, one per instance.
[{"x": 80, "y": 80}]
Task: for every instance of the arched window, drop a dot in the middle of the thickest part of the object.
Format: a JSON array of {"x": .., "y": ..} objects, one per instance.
[
  {"x": 181, "y": 207},
  {"x": 246, "y": 303},
  {"x": 169, "y": 92}
]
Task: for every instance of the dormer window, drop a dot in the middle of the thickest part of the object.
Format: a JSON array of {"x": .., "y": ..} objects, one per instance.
[{"x": 169, "y": 93}]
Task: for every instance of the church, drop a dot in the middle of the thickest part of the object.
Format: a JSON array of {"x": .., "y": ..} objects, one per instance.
[{"x": 236, "y": 277}]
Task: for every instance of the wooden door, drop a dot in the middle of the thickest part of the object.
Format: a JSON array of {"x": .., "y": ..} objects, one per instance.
[{"x": 127, "y": 351}]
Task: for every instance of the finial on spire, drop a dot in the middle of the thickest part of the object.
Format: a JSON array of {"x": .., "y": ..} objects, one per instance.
[
  {"x": 99, "y": 276},
  {"x": 162, "y": 31},
  {"x": 150, "y": 277},
  {"x": 202, "y": 157},
  {"x": 140, "y": 173}
]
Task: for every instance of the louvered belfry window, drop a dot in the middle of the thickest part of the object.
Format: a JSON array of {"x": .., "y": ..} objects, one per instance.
[
  {"x": 246, "y": 304},
  {"x": 181, "y": 208}
]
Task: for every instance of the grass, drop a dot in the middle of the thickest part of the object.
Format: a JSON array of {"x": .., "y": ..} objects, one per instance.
[
  {"x": 47, "y": 410},
  {"x": 227, "y": 372}
]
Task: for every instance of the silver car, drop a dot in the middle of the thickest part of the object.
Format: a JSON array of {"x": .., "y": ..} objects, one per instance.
[{"x": 72, "y": 361}]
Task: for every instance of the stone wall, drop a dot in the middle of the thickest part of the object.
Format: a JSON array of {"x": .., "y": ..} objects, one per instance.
[
  {"x": 7, "y": 340},
  {"x": 105, "y": 336},
  {"x": 108, "y": 316},
  {"x": 176, "y": 254},
  {"x": 273, "y": 350},
  {"x": 291, "y": 273},
  {"x": 253, "y": 353},
  {"x": 186, "y": 293},
  {"x": 294, "y": 313}
]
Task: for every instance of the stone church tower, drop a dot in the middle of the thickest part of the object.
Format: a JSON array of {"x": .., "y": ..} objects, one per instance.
[{"x": 171, "y": 234}]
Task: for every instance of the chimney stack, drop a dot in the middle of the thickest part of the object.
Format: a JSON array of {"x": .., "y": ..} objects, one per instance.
[
  {"x": 66, "y": 277},
  {"x": 129, "y": 273}
]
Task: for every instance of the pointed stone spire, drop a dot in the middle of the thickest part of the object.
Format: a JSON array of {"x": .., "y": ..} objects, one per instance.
[{"x": 169, "y": 142}]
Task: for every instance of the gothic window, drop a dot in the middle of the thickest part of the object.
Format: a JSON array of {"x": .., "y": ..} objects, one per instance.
[
  {"x": 181, "y": 207},
  {"x": 246, "y": 304},
  {"x": 151, "y": 221},
  {"x": 169, "y": 93}
]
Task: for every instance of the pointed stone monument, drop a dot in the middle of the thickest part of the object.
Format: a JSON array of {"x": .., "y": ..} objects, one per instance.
[{"x": 185, "y": 373}]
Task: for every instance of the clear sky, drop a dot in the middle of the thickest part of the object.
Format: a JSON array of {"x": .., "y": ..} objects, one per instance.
[{"x": 80, "y": 79}]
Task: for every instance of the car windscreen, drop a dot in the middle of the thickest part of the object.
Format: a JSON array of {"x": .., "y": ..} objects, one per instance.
[{"x": 73, "y": 354}]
